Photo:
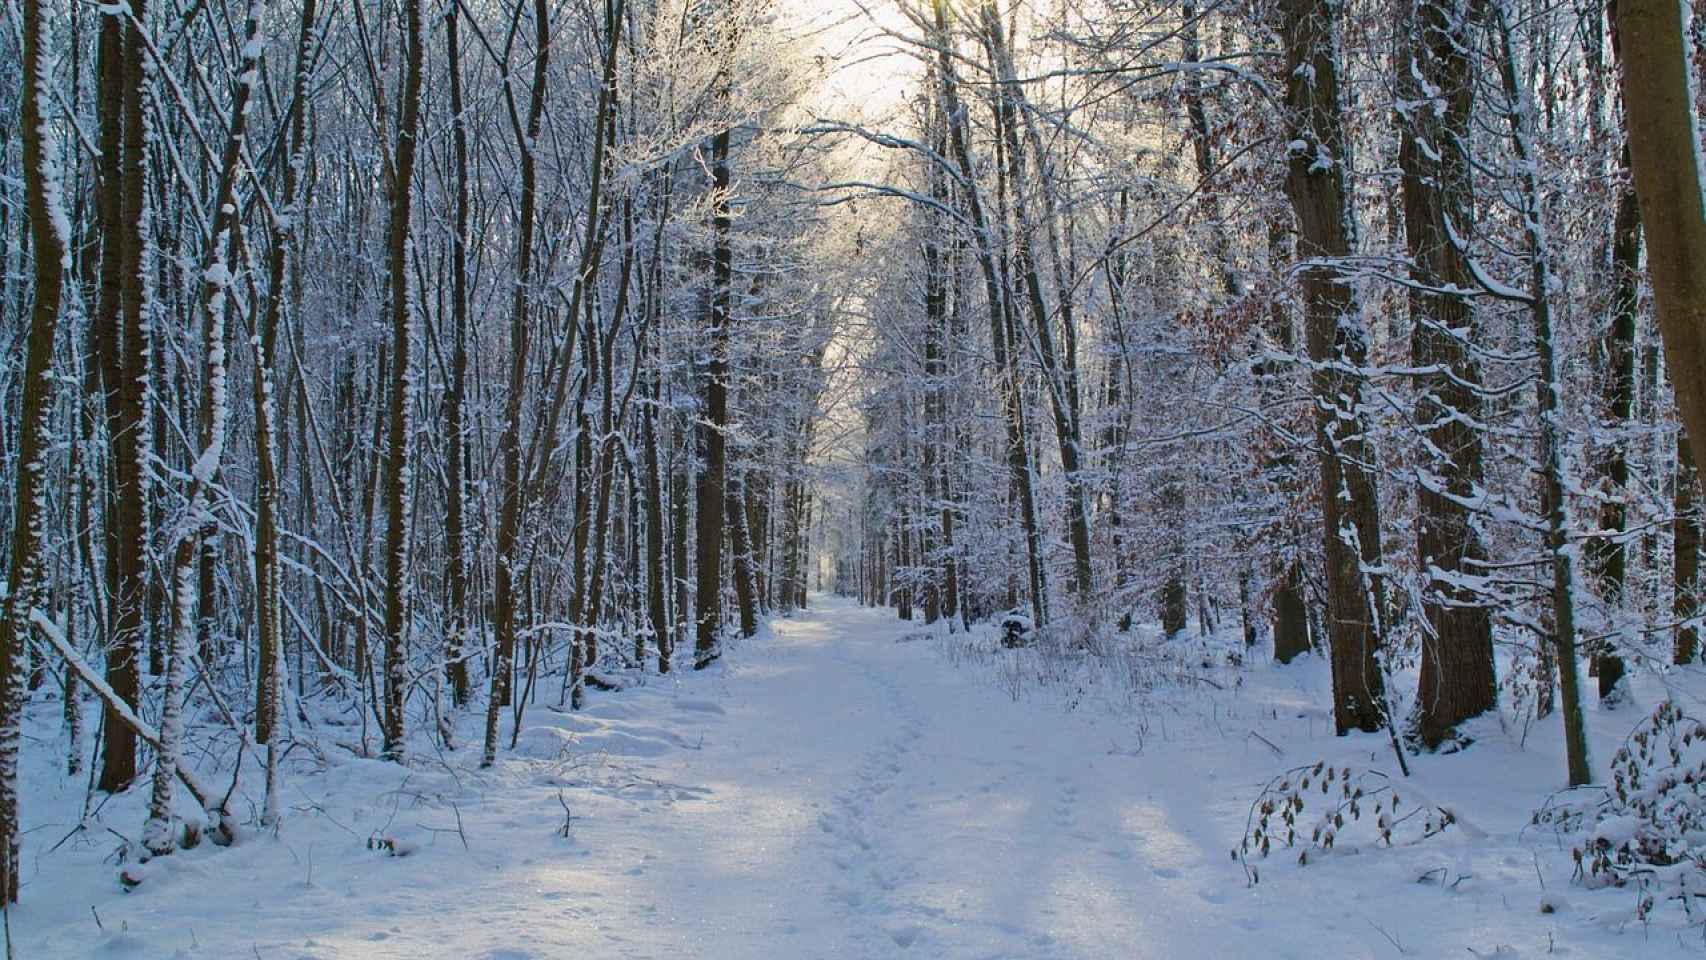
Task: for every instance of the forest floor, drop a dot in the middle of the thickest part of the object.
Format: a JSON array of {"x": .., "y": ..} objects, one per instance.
[{"x": 846, "y": 786}]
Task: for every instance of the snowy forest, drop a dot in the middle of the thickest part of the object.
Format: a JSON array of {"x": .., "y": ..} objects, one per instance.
[{"x": 512, "y": 479}]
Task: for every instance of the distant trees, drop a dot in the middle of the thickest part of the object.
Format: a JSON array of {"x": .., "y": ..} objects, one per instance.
[{"x": 1397, "y": 175}]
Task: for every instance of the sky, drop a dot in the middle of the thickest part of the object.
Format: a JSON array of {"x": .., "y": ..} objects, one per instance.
[{"x": 868, "y": 73}]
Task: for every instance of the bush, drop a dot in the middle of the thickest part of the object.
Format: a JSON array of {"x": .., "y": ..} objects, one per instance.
[
  {"x": 1346, "y": 796},
  {"x": 1648, "y": 828}
]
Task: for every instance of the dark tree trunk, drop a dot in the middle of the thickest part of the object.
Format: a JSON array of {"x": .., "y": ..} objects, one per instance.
[
  {"x": 455, "y": 524},
  {"x": 42, "y": 199},
  {"x": 1686, "y": 553},
  {"x": 1609, "y": 555},
  {"x": 712, "y": 493},
  {"x": 1338, "y": 346},
  {"x": 1457, "y": 679},
  {"x": 396, "y": 481}
]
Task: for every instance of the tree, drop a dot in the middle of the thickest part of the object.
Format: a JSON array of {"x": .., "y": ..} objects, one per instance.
[
  {"x": 51, "y": 246},
  {"x": 400, "y": 400},
  {"x": 1436, "y": 90},
  {"x": 1664, "y": 158},
  {"x": 1317, "y": 160}
]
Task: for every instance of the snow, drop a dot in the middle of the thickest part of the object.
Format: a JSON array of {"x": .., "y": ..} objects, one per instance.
[{"x": 845, "y": 786}]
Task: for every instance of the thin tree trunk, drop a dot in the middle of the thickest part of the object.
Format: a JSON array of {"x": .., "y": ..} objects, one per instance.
[
  {"x": 1686, "y": 554},
  {"x": 50, "y": 245},
  {"x": 712, "y": 490},
  {"x": 455, "y": 523},
  {"x": 225, "y": 249},
  {"x": 513, "y": 494},
  {"x": 396, "y": 482},
  {"x": 1553, "y": 444},
  {"x": 995, "y": 287}
]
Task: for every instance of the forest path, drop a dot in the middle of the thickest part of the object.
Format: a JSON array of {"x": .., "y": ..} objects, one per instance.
[
  {"x": 863, "y": 798},
  {"x": 840, "y": 787}
]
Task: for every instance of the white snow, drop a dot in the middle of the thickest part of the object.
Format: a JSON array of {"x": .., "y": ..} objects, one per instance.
[{"x": 843, "y": 786}]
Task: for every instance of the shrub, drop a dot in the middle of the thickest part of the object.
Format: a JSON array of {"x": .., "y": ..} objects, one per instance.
[{"x": 1347, "y": 799}]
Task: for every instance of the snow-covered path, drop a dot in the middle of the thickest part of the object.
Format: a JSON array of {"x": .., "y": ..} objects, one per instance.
[
  {"x": 839, "y": 789},
  {"x": 865, "y": 800}
]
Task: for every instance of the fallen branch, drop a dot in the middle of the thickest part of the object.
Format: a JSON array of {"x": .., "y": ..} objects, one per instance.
[{"x": 219, "y": 810}]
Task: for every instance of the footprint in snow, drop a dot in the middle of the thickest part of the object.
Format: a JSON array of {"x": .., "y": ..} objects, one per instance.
[{"x": 905, "y": 936}]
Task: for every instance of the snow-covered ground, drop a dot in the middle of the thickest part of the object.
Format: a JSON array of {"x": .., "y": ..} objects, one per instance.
[{"x": 847, "y": 787}]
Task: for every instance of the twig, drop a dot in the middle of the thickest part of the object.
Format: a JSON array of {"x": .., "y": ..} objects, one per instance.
[
  {"x": 1390, "y": 939},
  {"x": 1270, "y": 744},
  {"x": 568, "y": 815}
]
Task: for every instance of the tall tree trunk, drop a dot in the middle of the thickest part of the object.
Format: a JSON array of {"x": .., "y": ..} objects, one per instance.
[
  {"x": 456, "y": 479},
  {"x": 1554, "y": 454},
  {"x": 1059, "y": 365},
  {"x": 657, "y": 572},
  {"x": 712, "y": 493},
  {"x": 999, "y": 302},
  {"x": 225, "y": 250},
  {"x": 129, "y": 426},
  {"x": 268, "y": 600},
  {"x": 51, "y": 248},
  {"x": 1664, "y": 157},
  {"x": 1610, "y": 554},
  {"x": 1436, "y": 86},
  {"x": 513, "y": 495},
  {"x": 401, "y": 394},
  {"x": 1318, "y": 165}
]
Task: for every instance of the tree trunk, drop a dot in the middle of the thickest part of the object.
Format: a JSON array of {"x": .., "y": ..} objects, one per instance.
[
  {"x": 1556, "y": 481},
  {"x": 400, "y": 400},
  {"x": 1316, "y": 184},
  {"x": 225, "y": 248},
  {"x": 268, "y": 600},
  {"x": 1457, "y": 679},
  {"x": 1686, "y": 554},
  {"x": 1664, "y": 157},
  {"x": 712, "y": 490},
  {"x": 999, "y": 304},
  {"x": 129, "y": 427},
  {"x": 50, "y": 246},
  {"x": 513, "y": 494},
  {"x": 455, "y": 547}
]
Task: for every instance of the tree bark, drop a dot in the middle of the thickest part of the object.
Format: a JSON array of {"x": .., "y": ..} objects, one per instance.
[
  {"x": 51, "y": 249},
  {"x": 1437, "y": 85},
  {"x": 1664, "y": 157},
  {"x": 712, "y": 493},
  {"x": 1554, "y": 457},
  {"x": 513, "y": 494},
  {"x": 1685, "y": 555},
  {"x": 456, "y": 547},
  {"x": 1316, "y": 183},
  {"x": 396, "y": 482}
]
